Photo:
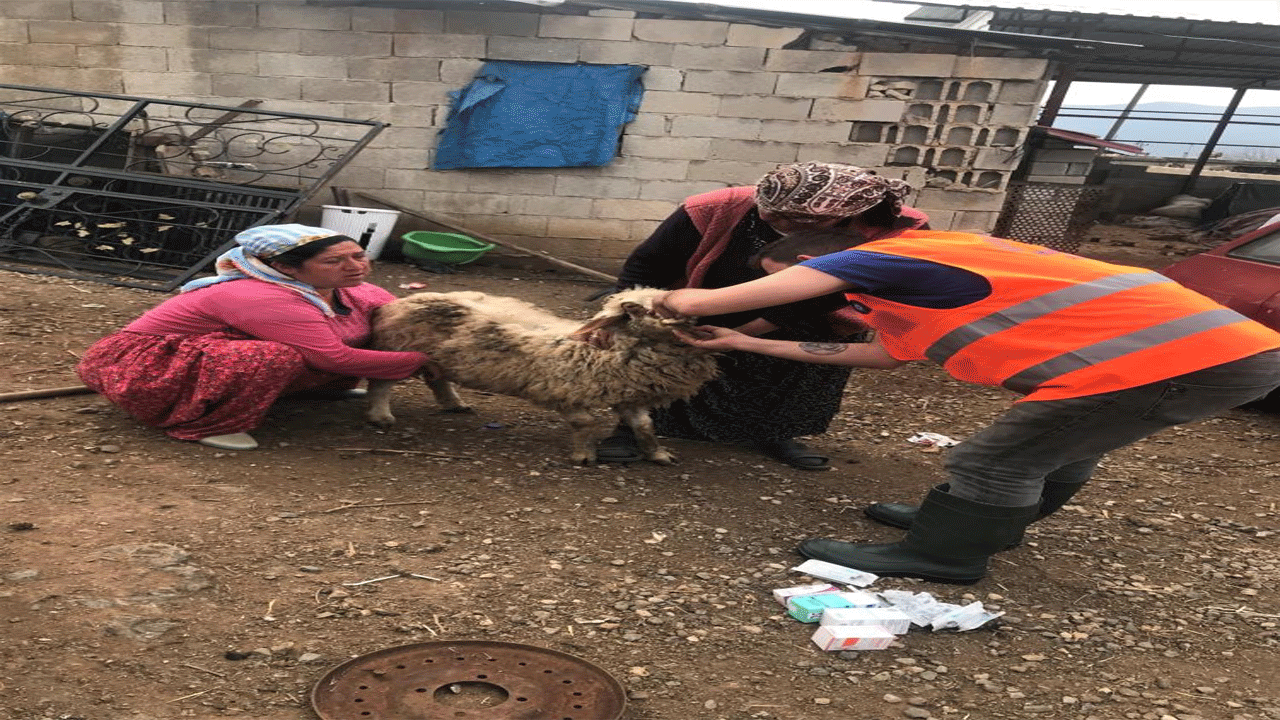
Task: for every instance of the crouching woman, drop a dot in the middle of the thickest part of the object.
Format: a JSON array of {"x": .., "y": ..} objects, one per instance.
[{"x": 288, "y": 312}]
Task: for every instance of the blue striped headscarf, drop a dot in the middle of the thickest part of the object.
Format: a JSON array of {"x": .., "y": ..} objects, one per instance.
[{"x": 262, "y": 243}]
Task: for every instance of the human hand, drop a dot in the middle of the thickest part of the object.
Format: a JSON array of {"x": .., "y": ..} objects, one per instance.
[{"x": 710, "y": 337}]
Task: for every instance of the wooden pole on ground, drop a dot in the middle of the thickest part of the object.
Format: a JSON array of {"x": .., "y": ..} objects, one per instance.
[
  {"x": 46, "y": 393},
  {"x": 451, "y": 225}
]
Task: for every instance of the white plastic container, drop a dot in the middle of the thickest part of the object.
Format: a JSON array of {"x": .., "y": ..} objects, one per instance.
[{"x": 368, "y": 226}]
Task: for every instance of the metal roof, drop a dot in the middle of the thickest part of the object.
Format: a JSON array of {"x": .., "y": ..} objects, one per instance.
[{"x": 1169, "y": 51}]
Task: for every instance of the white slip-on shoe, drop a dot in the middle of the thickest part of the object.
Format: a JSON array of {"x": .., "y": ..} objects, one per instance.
[{"x": 233, "y": 441}]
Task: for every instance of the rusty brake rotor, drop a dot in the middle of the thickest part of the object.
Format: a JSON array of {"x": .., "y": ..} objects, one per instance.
[{"x": 468, "y": 680}]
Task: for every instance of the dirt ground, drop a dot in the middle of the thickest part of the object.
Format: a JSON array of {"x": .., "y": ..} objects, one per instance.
[{"x": 143, "y": 578}]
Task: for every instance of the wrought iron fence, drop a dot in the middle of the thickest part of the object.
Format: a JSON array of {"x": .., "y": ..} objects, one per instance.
[{"x": 144, "y": 192}]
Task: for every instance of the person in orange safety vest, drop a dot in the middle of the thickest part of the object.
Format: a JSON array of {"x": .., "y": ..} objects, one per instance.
[{"x": 1103, "y": 355}]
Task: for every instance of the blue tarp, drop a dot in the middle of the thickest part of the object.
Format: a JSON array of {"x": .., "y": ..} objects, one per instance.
[{"x": 531, "y": 114}]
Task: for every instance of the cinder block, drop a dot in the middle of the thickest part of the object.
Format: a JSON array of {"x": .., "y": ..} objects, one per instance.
[
  {"x": 421, "y": 93},
  {"x": 730, "y": 83},
  {"x": 593, "y": 186},
  {"x": 526, "y": 225},
  {"x": 121, "y": 11},
  {"x": 610, "y": 52},
  {"x": 733, "y": 172},
  {"x": 886, "y": 111},
  {"x": 550, "y": 206},
  {"x": 280, "y": 40},
  {"x": 461, "y": 203},
  {"x": 300, "y": 17},
  {"x": 345, "y": 90},
  {"x": 898, "y": 65},
  {"x": 675, "y": 191},
  {"x": 588, "y": 228},
  {"x": 1000, "y": 68},
  {"x": 680, "y": 102},
  {"x": 220, "y": 14},
  {"x": 167, "y": 83},
  {"x": 715, "y": 127},
  {"x": 752, "y": 150},
  {"x": 459, "y": 71},
  {"x": 966, "y": 200},
  {"x": 1021, "y": 91},
  {"x": 403, "y": 115},
  {"x": 585, "y": 28},
  {"x": 867, "y": 156},
  {"x": 1067, "y": 155},
  {"x": 38, "y": 9},
  {"x": 1006, "y": 114},
  {"x": 757, "y": 36},
  {"x": 345, "y": 44},
  {"x": 658, "y": 147},
  {"x": 72, "y": 33},
  {"x": 1059, "y": 179},
  {"x": 467, "y": 22},
  {"x": 496, "y": 181},
  {"x": 122, "y": 58},
  {"x": 648, "y": 124},
  {"x": 395, "y": 159},
  {"x": 418, "y": 178},
  {"x": 812, "y": 61},
  {"x": 696, "y": 57},
  {"x": 532, "y": 49},
  {"x": 770, "y": 108},
  {"x": 982, "y": 223},
  {"x": 808, "y": 131},
  {"x": 13, "y": 31},
  {"x": 938, "y": 219},
  {"x": 627, "y": 209},
  {"x": 647, "y": 168},
  {"x": 40, "y": 55},
  {"x": 823, "y": 85},
  {"x": 393, "y": 68},
  {"x": 996, "y": 159},
  {"x": 221, "y": 61},
  {"x": 252, "y": 86},
  {"x": 439, "y": 46},
  {"x": 1049, "y": 168},
  {"x": 294, "y": 65},
  {"x": 682, "y": 32},
  {"x": 376, "y": 19},
  {"x": 411, "y": 139},
  {"x": 662, "y": 78}
]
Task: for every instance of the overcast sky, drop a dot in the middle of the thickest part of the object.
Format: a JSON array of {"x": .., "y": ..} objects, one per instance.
[{"x": 1251, "y": 11}]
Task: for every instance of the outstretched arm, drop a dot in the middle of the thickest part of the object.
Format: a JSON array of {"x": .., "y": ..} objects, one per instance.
[
  {"x": 866, "y": 355},
  {"x": 785, "y": 286}
]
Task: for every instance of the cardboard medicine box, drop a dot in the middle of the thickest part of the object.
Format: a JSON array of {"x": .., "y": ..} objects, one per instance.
[
  {"x": 891, "y": 619},
  {"x": 809, "y": 608},
  {"x": 782, "y": 595},
  {"x": 855, "y": 637}
]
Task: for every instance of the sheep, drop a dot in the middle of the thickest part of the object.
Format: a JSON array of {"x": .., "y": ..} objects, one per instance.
[{"x": 506, "y": 346}]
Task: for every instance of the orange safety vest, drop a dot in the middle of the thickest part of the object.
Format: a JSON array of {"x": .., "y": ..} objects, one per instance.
[{"x": 1057, "y": 325}]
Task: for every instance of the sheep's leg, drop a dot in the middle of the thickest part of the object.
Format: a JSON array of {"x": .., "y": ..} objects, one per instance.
[
  {"x": 379, "y": 410},
  {"x": 582, "y": 436},
  {"x": 447, "y": 397},
  {"x": 642, "y": 426}
]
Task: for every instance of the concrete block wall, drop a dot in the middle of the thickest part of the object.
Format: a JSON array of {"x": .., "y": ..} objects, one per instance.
[
  {"x": 724, "y": 103},
  {"x": 1062, "y": 163}
]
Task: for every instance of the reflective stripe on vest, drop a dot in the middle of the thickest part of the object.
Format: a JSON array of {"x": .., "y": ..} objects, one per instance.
[
  {"x": 1036, "y": 375},
  {"x": 953, "y": 342}
]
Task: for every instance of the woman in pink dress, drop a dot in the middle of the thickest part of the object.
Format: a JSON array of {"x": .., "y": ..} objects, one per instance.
[{"x": 288, "y": 311}]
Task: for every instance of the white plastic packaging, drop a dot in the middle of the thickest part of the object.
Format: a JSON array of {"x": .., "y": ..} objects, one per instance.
[{"x": 891, "y": 619}]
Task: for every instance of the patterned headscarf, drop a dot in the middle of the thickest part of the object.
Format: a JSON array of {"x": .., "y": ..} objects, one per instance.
[
  {"x": 827, "y": 190},
  {"x": 261, "y": 243}
]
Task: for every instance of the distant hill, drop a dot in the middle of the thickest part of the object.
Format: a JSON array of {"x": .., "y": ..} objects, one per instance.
[{"x": 1177, "y": 139}]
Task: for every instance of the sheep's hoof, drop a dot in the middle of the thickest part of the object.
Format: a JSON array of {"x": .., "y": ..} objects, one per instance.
[
  {"x": 662, "y": 457},
  {"x": 382, "y": 421}
]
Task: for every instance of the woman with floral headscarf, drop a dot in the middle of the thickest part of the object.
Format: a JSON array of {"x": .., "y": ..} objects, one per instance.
[
  {"x": 287, "y": 312},
  {"x": 708, "y": 242}
]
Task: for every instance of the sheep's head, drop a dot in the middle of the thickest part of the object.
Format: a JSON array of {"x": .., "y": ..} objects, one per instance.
[{"x": 630, "y": 312}]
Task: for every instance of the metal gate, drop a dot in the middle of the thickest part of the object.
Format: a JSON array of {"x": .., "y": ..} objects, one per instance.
[
  {"x": 1049, "y": 214},
  {"x": 145, "y": 193}
]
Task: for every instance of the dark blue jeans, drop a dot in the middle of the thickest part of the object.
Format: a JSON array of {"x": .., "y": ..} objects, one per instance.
[{"x": 1061, "y": 441}]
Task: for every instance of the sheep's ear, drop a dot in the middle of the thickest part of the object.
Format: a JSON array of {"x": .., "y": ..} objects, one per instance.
[{"x": 635, "y": 309}]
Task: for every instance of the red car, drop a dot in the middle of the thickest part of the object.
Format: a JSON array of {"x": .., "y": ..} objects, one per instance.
[{"x": 1243, "y": 274}]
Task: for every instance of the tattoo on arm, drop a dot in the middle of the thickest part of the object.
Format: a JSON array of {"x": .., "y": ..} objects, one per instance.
[{"x": 823, "y": 348}]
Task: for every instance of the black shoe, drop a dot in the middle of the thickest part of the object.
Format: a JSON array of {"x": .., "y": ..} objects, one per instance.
[
  {"x": 951, "y": 541},
  {"x": 620, "y": 447},
  {"x": 794, "y": 453}
]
